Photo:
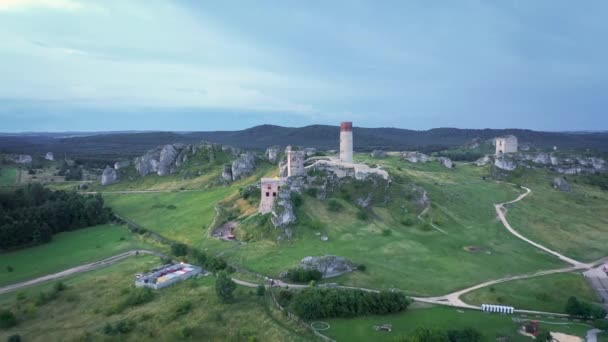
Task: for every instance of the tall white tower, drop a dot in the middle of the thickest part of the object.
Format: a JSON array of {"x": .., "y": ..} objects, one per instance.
[{"x": 346, "y": 142}]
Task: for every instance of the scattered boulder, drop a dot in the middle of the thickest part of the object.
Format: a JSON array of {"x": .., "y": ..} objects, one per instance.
[
  {"x": 421, "y": 198},
  {"x": 561, "y": 184},
  {"x": 310, "y": 151},
  {"x": 328, "y": 265},
  {"x": 20, "y": 158},
  {"x": 377, "y": 154},
  {"x": 447, "y": 162},
  {"x": 109, "y": 176},
  {"x": 272, "y": 154},
  {"x": 121, "y": 164},
  {"x": 49, "y": 156},
  {"x": 483, "y": 161},
  {"x": 415, "y": 157},
  {"x": 243, "y": 166}
]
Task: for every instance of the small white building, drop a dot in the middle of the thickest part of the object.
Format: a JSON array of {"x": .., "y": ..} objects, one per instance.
[
  {"x": 506, "y": 144},
  {"x": 270, "y": 190}
]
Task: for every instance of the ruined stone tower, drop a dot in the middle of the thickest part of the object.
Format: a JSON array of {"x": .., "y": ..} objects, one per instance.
[
  {"x": 270, "y": 190},
  {"x": 295, "y": 163},
  {"x": 346, "y": 142},
  {"x": 506, "y": 144}
]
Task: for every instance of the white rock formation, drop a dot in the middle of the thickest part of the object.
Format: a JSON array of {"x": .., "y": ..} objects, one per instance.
[
  {"x": 244, "y": 165},
  {"x": 49, "y": 156},
  {"x": 272, "y": 154},
  {"x": 447, "y": 162},
  {"x": 109, "y": 176},
  {"x": 329, "y": 265},
  {"x": 415, "y": 157}
]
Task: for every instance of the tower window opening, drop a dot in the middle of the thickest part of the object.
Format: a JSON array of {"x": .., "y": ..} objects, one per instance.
[
  {"x": 274, "y": 194},
  {"x": 267, "y": 194}
]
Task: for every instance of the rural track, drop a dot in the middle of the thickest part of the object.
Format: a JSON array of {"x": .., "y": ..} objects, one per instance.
[{"x": 78, "y": 269}]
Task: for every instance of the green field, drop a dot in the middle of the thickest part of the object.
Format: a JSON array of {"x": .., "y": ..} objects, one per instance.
[
  {"x": 533, "y": 294},
  {"x": 181, "y": 216},
  {"x": 8, "y": 176},
  {"x": 573, "y": 223},
  {"x": 66, "y": 250},
  {"x": 490, "y": 325},
  {"x": 82, "y": 310}
]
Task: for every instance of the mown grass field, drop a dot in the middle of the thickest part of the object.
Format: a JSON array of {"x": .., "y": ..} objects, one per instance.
[
  {"x": 8, "y": 176},
  {"x": 66, "y": 250},
  {"x": 490, "y": 325},
  {"x": 534, "y": 293},
  {"x": 573, "y": 223},
  {"x": 412, "y": 258},
  {"x": 186, "y": 311}
]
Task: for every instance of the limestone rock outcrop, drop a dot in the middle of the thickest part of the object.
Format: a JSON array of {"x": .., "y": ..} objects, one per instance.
[
  {"x": 272, "y": 154},
  {"x": 472, "y": 144},
  {"x": 109, "y": 176},
  {"x": 561, "y": 184},
  {"x": 122, "y": 164},
  {"x": 377, "y": 154},
  {"x": 244, "y": 165},
  {"x": 283, "y": 214},
  {"x": 357, "y": 171},
  {"x": 485, "y": 160},
  {"x": 49, "y": 156},
  {"x": 421, "y": 197},
  {"x": 328, "y": 265},
  {"x": 447, "y": 162},
  {"x": 20, "y": 158},
  {"x": 504, "y": 163},
  {"x": 415, "y": 157},
  {"x": 310, "y": 151}
]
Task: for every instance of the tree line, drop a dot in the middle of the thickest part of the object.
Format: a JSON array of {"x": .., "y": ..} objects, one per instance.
[
  {"x": 315, "y": 303},
  {"x": 32, "y": 214}
]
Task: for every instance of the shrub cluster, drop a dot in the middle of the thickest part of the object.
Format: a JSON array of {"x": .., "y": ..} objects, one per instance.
[
  {"x": 33, "y": 213},
  {"x": 121, "y": 327},
  {"x": 300, "y": 275},
  {"x": 7, "y": 319},
  {"x": 334, "y": 205},
  {"x": 436, "y": 335},
  {"x": 209, "y": 262},
  {"x": 574, "y": 307},
  {"x": 315, "y": 303}
]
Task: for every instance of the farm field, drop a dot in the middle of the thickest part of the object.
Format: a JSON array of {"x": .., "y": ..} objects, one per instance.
[
  {"x": 412, "y": 258},
  {"x": 67, "y": 249},
  {"x": 532, "y": 294},
  {"x": 8, "y": 176},
  {"x": 573, "y": 223},
  {"x": 188, "y": 310},
  {"x": 444, "y": 318}
]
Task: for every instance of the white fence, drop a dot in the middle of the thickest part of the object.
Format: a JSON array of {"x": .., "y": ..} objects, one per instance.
[{"x": 497, "y": 308}]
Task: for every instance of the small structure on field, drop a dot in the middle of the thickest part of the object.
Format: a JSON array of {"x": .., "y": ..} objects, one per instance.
[
  {"x": 166, "y": 275},
  {"x": 497, "y": 308},
  {"x": 384, "y": 327}
]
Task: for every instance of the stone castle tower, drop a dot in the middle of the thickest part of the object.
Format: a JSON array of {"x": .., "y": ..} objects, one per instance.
[
  {"x": 506, "y": 144},
  {"x": 346, "y": 142},
  {"x": 270, "y": 190},
  {"x": 295, "y": 163}
]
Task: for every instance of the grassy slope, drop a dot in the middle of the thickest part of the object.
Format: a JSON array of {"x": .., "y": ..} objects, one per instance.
[
  {"x": 193, "y": 214},
  {"x": 533, "y": 294},
  {"x": 417, "y": 261},
  {"x": 8, "y": 176},
  {"x": 66, "y": 250},
  {"x": 361, "y": 329},
  {"x": 575, "y": 223},
  {"x": 80, "y": 311}
]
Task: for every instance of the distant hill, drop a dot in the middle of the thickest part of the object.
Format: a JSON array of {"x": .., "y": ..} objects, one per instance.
[{"x": 317, "y": 136}]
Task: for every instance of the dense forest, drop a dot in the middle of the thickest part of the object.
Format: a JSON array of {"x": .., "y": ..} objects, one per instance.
[{"x": 33, "y": 214}]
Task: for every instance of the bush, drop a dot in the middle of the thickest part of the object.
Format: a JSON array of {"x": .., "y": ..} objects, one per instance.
[
  {"x": 574, "y": 307},
  {"x": 297, "y": 200},
  {"x": 407, "y": 222},
  {"x": 183, "y": 308},
  {"x": 312, "y": 192},
  {"x": 387, "y": 232},
  {"x": 7, "y": 319},
  {"x": 601, "y": 324},
  {"x": 362, "y": 268},
  {"x": 179, "y": 249},
  {"x": 121, "y": 327},
  {"x": 60, "y": 286},
  {"x": 300, "y": 275},
  {"x": 362, "y": 215},
  {"x": 260, "y": 290},
  {"x": 334, "y": 205},
  {"x": 9, "y": 268},
  {"x": 14, "y": 338},
  {"x": 137, "y": 296},
  {"x": 171, "y": 207}
]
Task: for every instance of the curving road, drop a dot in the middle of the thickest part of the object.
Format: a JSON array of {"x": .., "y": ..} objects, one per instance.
[{"x": 78, "y": 269}]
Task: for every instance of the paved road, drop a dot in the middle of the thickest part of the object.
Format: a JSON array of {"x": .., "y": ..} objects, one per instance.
[
  {"x": 592, "y": 335},
  {"x": 78, "y": 269}
]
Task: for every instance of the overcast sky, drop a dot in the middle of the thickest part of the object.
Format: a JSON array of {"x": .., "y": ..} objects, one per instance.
[{"x": 209, "y": 65}]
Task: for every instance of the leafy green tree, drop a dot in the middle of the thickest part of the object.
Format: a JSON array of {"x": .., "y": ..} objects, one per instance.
[
  {"x": 544, "y": 336},
  {"x": 179, "y": 249},
  {"x": 260, "y": 290},
  {"x": 224, "y": 287}
]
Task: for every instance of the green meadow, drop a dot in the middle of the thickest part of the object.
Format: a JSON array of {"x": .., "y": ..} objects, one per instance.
[
  {"x": 8, "y": 176},
  {"x": 66, "y": 250},
  {"x": 533, "y": 293},
  {"x": 189, "y": 310}
]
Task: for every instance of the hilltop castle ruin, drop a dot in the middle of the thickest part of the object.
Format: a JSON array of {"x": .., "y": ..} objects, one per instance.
[{"x": 506, "y": 144}]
